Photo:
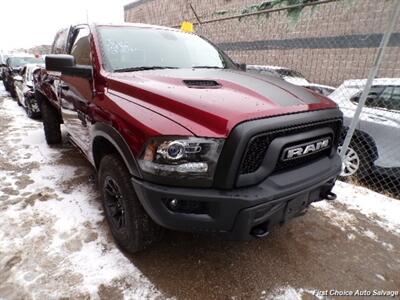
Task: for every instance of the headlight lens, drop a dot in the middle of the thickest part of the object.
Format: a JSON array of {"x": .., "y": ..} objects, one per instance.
[{"x": 187, "y": 157}]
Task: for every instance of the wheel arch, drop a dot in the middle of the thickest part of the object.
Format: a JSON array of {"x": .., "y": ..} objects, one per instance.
[{"x": 107, "y": 140}]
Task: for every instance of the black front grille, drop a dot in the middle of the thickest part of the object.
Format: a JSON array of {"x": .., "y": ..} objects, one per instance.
[{"x": 258, "y": 146}]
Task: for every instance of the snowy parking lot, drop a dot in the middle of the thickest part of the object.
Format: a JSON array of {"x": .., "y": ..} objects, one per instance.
[{"x": 55, "y": 243}]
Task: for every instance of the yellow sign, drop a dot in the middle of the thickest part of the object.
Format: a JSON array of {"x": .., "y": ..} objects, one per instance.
[{"x": 187, "y": 26}]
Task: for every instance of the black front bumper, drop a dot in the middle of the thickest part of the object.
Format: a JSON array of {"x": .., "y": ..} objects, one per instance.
[{"x": 236, "y": 213}]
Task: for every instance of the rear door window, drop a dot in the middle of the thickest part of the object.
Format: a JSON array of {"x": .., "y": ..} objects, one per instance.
[
  {"x": 395, "y": 99},
  {"x": 373, "y": 98},
  {"x": 384, "y": 99}
]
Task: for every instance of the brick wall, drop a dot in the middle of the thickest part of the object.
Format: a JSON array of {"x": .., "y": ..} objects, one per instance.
[{"x": 328, "y": 43}]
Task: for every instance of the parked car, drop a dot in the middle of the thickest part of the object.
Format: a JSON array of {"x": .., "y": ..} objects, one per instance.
[
  {"x": 25, "y": 89},
  {"x": 181, "y": 138},
  {"x": 13, "y": 66},
  {"x": 3, "y": 58},
  {"x": 286, "y": 74},
  {"x": 374, "y": 148},
  {"x": 291, "y": 76},
  {"x": 325, "y": 90}
]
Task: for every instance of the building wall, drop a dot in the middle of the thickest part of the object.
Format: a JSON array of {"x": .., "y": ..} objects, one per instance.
[{"x": 328, "y": 43}]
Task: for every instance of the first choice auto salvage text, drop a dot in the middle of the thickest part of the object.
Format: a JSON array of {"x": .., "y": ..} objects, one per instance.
[{"x": 355, "y": 293}]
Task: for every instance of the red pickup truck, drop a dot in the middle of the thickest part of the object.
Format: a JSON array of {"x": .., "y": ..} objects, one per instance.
[{"x": 181, "y": 137}]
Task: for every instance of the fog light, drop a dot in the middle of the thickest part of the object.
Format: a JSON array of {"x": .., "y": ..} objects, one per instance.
[{"x": 173, "y": 203}]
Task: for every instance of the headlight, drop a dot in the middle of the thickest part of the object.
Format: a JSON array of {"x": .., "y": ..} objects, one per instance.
[{"x": 181, "y": 158}]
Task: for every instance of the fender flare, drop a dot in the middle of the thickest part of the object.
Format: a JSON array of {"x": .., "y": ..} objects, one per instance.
[{"x": 115, "y": 138}]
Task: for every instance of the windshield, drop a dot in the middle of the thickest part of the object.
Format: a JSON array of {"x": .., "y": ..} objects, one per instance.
[
  {"x": 130, "y": 48},
  {"x": 16, "y": 62}
]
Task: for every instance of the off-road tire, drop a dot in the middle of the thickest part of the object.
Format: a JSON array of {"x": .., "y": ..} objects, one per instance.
[
  {"x": 51, "y": 123},
  {"x": 139, "y": 230}
]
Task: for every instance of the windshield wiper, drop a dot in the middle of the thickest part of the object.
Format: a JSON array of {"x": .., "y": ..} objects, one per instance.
[
  {"x": 207, "y": 67},
  {"x": 134, "y": 69}
]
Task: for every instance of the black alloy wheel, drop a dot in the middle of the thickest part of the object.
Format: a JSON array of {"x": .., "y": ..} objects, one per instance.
[{"x": 114, "y": 204}]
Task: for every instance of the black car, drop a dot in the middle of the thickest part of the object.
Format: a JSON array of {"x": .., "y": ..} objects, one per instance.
[
  {"x": 3, "y": 58},
  {"x": 13, "y": 66}
]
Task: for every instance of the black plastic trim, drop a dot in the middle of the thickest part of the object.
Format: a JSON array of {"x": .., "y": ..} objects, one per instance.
[
  {"x": 115, "y": 138},
  {"x": 235, "y": 146},
  {"x": 235, "y": 212}
]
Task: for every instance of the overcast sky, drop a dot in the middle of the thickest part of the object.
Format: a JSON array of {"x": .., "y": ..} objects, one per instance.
[{"x": 28, "y": 23}]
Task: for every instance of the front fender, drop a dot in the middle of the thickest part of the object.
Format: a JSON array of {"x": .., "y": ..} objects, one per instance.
[{"x": 115, "y": 138}]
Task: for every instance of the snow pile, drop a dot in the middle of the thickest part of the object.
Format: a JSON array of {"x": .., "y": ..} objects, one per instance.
[
  {"x": 381, "y": 209},
  {"x": 290, "y": 293}
]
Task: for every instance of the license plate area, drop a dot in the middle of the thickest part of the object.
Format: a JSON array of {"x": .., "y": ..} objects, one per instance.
[{"x": 295, "y": 206}]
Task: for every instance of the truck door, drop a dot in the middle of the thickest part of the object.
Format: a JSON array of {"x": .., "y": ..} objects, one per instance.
[
  {"x": 383, "y": 124},
  {"x": 76, "y": 92}
]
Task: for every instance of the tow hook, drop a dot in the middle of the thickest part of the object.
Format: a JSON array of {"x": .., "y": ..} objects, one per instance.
[
  {"x": 259, "y": 232},
  {"x": 330, "y": 196}
]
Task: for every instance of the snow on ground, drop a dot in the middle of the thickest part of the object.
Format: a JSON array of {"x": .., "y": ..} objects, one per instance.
[
  {"x": 379, "y": 208},
  {"x": 290, "y": 293},
  {"x": 52, "y": 230}
]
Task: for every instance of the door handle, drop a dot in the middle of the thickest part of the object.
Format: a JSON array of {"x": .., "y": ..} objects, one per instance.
[{"x": 64, "y": 87}]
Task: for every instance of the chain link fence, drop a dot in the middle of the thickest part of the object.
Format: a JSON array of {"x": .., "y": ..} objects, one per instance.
[{"x": 331, "y": 47}]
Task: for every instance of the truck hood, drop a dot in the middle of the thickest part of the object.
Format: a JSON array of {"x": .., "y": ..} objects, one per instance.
[{"x": 210, "y": 102}]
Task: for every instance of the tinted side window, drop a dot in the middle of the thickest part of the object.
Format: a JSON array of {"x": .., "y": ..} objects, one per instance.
[
  {"x": 376, "y": 90},
  {"x": 383, "y": 100},
  {"x": 395, "y": 100},
  {"x": 60, "y": 42},
  {"x": 372, "y": 97},
  {"x": 81, "y": 47}
]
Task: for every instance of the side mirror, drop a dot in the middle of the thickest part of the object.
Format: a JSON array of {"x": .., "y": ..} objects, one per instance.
[
  {"x": 242, "y": 67},
  {"x": 66, "y": 65}
]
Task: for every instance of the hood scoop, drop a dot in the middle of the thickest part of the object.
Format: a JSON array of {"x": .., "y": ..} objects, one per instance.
[{"x": 202, "y": 84}]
